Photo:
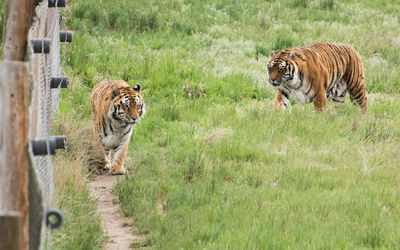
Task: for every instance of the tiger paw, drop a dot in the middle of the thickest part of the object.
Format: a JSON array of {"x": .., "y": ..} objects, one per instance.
[
  {"x": 120, "y": 171},
  {"x": 107, "y": 167}
]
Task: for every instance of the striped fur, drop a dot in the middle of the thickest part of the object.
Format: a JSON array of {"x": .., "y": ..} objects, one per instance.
[
  {"x": 116, "y": 110},
  {"x": 321, "y": 72}
]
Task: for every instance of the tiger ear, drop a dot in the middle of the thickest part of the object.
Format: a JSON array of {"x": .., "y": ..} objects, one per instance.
[
  {"x": 114, "y": 91},
  {"x": 292, "y": 54},
  {"x": 137, "y": 87},
  {"x": 273, "y": 53}
]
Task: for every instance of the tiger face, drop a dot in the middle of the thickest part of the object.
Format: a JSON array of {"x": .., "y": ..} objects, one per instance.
[
  {"x": 128, "y": 105},
  {"x": 280, "y": 69}
]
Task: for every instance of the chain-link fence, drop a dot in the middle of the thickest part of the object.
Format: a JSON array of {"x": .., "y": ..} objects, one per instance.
[{"x": 47, "y": 80}]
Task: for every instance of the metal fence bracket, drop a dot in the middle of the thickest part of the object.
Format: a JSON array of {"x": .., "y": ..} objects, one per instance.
[
  {"x": 41, "y": 45},
  {"x": 40, "y": 147},
  {"x": 52, "y": 3},
  {"x": 66, "y": 36},
  {"x": 62, "y": 82}
]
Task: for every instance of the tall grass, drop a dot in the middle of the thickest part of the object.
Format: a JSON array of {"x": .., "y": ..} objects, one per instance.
[
  {"x": 81, "y": 228},
  {"x": 213, "y": 165}
]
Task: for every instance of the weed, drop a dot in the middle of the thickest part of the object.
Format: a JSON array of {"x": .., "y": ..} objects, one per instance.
[
  {"x": 327, "y": 4},
  {"x": 300, "y": 3}
]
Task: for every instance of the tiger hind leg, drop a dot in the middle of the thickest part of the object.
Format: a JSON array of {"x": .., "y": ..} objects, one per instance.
[
  {"x": 358, "y": 94},
  {"x": 118, "y": 160}
]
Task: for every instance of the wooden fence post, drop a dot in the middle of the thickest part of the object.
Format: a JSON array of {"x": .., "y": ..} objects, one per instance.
[
  {"x": 14, "y": 122},
  {"x": 17, "y": 20},
  {"x": 11, "y": 230}
]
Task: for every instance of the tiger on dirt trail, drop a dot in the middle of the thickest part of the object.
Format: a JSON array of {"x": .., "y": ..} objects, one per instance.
[
  {"x": 117, "y": 108},
  {"x": 321, "y": 72}
]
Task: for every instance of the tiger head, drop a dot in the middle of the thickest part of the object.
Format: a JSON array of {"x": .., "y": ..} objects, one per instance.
[
  {"x": 127, "y": 104},
  {"x": 281, "y": 68}
]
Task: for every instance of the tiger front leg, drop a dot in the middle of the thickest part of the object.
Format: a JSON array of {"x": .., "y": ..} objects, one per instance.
[
  {"x": 118, "y": 160},
  {"x": 281, "y": 100},
  {"x": 320, "y": 100},
  {"x": 107, "y": 159}
]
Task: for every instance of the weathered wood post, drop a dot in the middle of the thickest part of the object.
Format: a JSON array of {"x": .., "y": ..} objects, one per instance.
[
  {"x": 10, "y": 228},
  {"x": 14, "y": 107},
  {"x": 18, "y": 15}
]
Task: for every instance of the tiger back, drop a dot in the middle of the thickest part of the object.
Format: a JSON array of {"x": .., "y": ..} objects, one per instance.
[
  {"x": 117, "y": 108},
  {"x": 321, "y": 72}
]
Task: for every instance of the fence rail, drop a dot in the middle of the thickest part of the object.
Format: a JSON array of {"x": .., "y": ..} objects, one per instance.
[{"x": 39, "y": 88}]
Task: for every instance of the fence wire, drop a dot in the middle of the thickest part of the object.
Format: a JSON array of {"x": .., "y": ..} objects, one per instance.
[{"x": 44, "y": 100}]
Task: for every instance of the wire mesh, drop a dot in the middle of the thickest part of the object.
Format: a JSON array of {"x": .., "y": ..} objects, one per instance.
[{"x": 45, "y": 100}]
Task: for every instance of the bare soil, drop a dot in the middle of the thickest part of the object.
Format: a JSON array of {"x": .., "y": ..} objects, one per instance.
[{"x": 116, "y": 226}]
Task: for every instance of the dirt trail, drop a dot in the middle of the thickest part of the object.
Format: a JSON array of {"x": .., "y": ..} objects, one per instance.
[{"x": 115, "y": 225}]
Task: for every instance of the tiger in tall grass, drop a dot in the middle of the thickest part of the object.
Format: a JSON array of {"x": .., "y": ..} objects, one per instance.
[
  {"x": 117, "y": 108},
  {"x": 321, "y": 72}
]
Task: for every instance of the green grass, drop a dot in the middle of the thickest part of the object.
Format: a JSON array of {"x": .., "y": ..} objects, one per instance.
[
  {"x": 81, "y": 227},
  {"x": 213, "y": 165},
  {"x": 244, "y": 176}
]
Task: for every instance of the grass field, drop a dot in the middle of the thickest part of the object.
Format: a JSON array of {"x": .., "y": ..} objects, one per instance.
[
  {"x": 81, "y": 228},
  {"x": 212, "y": 165}
]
